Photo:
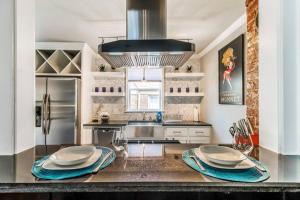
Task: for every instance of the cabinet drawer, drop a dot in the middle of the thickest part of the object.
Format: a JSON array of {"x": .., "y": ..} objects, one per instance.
[
  {"x": 204, "y": 132},
  {"x": 199, "y": 140},
  {"x": 179, "y": 132}
]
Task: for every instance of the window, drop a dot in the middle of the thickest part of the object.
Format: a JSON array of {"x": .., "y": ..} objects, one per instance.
[{"x": 144, "y": 94}]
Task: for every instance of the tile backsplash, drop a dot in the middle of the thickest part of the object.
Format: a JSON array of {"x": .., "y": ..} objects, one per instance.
[{"x": 174, "y": 107}]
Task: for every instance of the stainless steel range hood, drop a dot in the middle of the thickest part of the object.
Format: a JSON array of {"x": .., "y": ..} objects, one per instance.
[{"x": 146, "y": 43}]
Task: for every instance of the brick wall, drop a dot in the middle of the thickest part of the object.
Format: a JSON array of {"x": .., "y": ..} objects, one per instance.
[{"x": 252, "y": 95}]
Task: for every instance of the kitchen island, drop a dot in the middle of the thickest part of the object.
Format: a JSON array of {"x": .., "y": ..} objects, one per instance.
[{"x": 167, "y": 173}]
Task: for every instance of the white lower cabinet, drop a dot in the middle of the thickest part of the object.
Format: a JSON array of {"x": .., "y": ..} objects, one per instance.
[
  {"x": 176, "y": 132},
  {"x": 189, "y": 135},
  {"x": 199, "y": 140}
]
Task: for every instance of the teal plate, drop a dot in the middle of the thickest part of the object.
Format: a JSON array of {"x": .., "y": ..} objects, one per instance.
[
  {"x": 42, "y": 173},
  {"x": 251, "y": 175}
]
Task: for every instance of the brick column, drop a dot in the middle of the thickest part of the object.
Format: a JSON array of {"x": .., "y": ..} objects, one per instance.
[{"x": 252, "y": 95}]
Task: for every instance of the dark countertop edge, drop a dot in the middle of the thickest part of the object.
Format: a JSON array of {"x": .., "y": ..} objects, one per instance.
[
  {"x": 110, "y": 123},
  {"x": 147, "y": 187},
  {"x": 186, "y": 124},
  {"x": 124, "y": 123}
]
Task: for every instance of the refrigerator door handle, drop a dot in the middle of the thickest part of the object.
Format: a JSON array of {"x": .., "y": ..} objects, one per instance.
[
  {"x": 48, "y": 113},
  {"x": 44, "y": 114}
]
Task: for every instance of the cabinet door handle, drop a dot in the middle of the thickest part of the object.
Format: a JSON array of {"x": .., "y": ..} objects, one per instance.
[
  {"x": 199, "y": 132},
  {"x": 177, "y": 132}
]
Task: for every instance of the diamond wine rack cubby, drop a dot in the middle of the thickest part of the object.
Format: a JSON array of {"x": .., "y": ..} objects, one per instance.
[{"x": 58, "y": 62}]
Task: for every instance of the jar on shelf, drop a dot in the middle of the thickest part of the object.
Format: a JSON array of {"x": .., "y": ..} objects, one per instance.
[
  {"x": 119, "y": 89},
  {"x": 187, "y": 90}
]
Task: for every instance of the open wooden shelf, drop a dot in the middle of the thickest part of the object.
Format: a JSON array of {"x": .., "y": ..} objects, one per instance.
[
  {"x": 197, "y": 75},
  {"x": 108, "y": 75},
  {"x": 107, "y": 94},
  {"x": 200, "y": 94}
]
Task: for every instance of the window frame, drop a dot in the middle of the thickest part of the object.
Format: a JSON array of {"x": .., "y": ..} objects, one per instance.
[{"x": 128, "y": 110}]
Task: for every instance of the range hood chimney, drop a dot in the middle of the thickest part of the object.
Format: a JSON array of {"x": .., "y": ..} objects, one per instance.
[
  {"x": 146, "y": 43},
  {"x": 146, "y": 19}
]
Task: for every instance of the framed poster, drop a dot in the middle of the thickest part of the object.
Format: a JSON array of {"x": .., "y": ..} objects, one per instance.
[{"x": 231, "y": 73}]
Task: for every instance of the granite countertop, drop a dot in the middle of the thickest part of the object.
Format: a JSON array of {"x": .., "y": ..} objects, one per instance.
[
  {"x": 115, "y": 123},
  {"x": 110, "y": 123},
  {"x": 151, "y": 174}
]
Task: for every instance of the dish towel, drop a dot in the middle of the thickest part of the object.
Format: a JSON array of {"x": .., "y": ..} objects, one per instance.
[
  {"x": 251, "y": 175},
  {"x": 42, "y": 173}
]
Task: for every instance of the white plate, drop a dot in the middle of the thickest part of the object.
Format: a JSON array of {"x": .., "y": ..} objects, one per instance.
[
  {"x": 73, "y": 155},
  {"x": 245, "y": 164},
  {"x": 50, "y": 165},
  {"x": 222, "y": 155}
]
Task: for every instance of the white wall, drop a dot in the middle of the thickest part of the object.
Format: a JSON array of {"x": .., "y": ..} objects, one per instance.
[
  {"x": 24, "y": 73},
  {"x": 7, "y": 77},
  {"x": 279, "y": 76},
  {"x": 269, "y": 73},
  {"x": 85, "y": 21},
  {"x": 88, "y": 61},
  {"x": 220, "y": 116},
  {"x": 291, "y": 77},
  {"x": 17, "y": 20}
]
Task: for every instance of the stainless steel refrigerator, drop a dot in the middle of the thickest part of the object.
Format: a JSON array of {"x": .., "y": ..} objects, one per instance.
[{"x": 57, "y": 110}]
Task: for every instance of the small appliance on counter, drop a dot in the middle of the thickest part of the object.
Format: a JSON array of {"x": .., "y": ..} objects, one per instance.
[{"x": 104, "y": 117}]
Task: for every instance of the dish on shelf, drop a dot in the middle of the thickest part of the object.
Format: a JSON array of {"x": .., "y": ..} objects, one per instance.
[
  {"x": 72, "y": 155},
  {"x": 245, "y": 164},
  {"x": 222, "y": 155},
  {"x": 50, "y": 165}
]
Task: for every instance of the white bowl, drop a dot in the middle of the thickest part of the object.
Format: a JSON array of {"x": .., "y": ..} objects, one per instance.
[
  {"x": 72, "y": 155},
  {"x": 222, "y": 155}
]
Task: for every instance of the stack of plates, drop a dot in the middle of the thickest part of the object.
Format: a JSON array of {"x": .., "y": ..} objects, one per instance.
[
  {"x": 226, "y": 164},
  {"x": 73, "y": 162},
  {"x": 76, "y": 157},
  {"x": 223, "y": 157}
]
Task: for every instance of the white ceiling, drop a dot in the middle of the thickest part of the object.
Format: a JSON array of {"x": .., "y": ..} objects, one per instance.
[{"x": 86, "y": 20}]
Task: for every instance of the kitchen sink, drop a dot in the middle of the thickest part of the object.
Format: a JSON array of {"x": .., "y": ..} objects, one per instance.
[{"x": 144, "y": 130}]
